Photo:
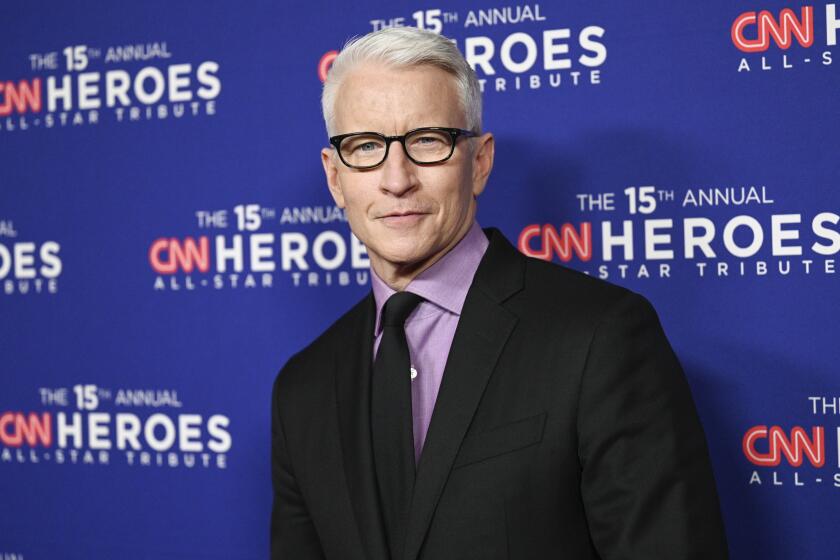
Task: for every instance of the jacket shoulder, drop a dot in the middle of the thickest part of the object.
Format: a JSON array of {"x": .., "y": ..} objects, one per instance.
[
  {"x": 311, "y": 364},
  {"x": 571, "y": 295}
]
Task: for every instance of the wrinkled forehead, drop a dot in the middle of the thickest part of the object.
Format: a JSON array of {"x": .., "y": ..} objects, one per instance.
[{"x": 383, "y": 98}]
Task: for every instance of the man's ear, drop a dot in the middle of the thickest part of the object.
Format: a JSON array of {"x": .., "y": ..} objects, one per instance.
[
  {"x": 331, "y": 171},
  {"x": 485, "y": 146}
]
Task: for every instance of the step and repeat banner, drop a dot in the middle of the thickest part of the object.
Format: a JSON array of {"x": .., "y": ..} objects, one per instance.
[{"x": 167, "y": 241}]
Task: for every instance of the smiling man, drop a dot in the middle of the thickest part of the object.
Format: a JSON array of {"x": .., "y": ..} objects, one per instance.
[{"x": 477, "y": 403}]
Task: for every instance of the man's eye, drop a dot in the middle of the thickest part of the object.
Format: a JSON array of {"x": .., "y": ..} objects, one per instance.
[
  {"x": 366, "y": 147},
  {"x": 427, "y": 140}
]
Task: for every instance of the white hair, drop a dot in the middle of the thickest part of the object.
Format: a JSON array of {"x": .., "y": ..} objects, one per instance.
[{"x": 403, "y": 47}]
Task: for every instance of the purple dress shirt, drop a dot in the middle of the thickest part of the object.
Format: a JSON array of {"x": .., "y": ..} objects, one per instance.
[{"x": 431, "y": 326}]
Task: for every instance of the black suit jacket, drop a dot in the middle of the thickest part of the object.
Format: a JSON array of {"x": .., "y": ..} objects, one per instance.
[{"x": 563, "y": 428}]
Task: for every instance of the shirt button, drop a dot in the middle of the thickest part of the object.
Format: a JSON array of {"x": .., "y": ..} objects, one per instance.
[{"x": 413, "y": 372}]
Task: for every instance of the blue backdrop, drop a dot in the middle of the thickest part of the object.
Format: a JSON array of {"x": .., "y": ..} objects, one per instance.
[{"x": 167, "y": 241}]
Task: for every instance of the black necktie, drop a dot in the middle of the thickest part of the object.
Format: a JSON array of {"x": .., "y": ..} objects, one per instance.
[{"x": 391, "y": 418}]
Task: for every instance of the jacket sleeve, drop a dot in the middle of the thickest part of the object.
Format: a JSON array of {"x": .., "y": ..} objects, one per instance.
[
  {"x": 647, "y": 482},
  {"x": 293, "y": 535}
]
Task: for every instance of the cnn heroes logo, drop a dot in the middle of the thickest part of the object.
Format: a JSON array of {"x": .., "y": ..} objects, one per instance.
[
  {"x": 767, "y": 37},
  {"x": 797, "y": 456},
  {"x": 93, "y": 437},
  {"x": 717, "y": 247},
  {"x": 27, "y": 267},
  {"x": 550, "y": 58},
  {"x": 89, "y": 90},
  {"x": 255, "y": 246},
  {"x": 504, "y": 58}
]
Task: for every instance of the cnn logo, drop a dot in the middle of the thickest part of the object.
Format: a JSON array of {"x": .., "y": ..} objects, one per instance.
[
  {"x": 765, "y": 446},
  {"x": 765, "y": 26}
]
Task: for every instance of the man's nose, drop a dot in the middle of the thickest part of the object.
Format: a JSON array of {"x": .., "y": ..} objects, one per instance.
[{"x": 398, "y": 175}]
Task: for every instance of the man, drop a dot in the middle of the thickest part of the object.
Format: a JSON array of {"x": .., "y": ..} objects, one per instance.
[{"x": 478, "y": 403}]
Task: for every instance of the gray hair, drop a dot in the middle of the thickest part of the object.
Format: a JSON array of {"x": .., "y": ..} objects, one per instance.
[{"x": 402, "y": 47}]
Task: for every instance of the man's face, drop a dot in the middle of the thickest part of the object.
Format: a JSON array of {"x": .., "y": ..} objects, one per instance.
[{"x": 407, "y": 215}]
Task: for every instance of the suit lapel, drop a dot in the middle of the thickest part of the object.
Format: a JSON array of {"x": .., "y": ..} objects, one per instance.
[
  {"x": 352, "y": 379},
  {"x": 482, "y": 332}
]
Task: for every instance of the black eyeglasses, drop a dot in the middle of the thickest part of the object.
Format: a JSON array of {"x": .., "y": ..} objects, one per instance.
[{"x": 430, "y": 144}]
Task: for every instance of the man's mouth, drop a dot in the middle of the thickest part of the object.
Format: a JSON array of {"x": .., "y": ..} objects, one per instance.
[
  {"x": 402, "y": 218},
  {"x": 402, "y": 213}
]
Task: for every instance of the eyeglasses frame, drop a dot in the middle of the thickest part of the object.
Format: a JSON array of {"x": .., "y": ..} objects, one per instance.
[{"x": 455, "y": 133}]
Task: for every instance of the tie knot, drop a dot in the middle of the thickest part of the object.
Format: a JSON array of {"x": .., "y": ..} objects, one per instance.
[{"x": 398, "y": 307}]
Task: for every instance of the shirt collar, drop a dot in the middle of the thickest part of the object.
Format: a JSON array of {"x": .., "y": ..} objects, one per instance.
[{"x": 445, "y": 283}]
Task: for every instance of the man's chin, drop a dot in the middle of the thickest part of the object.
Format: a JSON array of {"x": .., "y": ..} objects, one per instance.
[{"x": 404, "y": 257}]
